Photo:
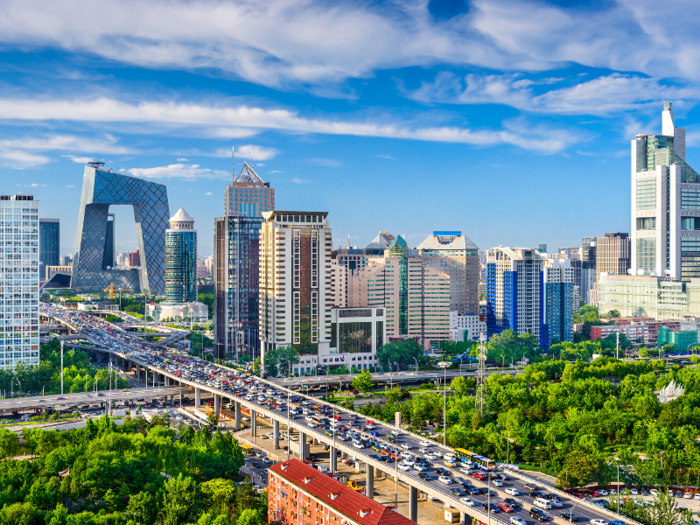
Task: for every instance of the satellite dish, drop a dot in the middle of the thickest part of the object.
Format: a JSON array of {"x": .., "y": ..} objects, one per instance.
[
  {"x": 630, "y": 271},
  {"x": 657, "y": 271},
  {"x": 640, "y": 272},
  {"x": 667, "y": 271}
]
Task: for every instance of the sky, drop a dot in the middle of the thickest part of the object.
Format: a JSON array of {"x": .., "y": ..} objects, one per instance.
[{"x": 509, "y": 120}]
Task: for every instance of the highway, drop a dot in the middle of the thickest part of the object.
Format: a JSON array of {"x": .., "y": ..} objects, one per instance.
[{"x": 225, "y": 383}]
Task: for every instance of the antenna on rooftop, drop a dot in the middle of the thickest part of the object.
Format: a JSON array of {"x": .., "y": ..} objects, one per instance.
[{"x": 233, "y": 161}]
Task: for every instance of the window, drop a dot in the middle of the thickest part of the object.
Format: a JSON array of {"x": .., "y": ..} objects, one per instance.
[
  {"x": 690, "y": 199},
  {"x": 646, "y": 194}
]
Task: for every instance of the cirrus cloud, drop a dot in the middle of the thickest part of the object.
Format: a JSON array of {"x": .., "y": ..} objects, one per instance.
[{"x": 179, "y": 171}]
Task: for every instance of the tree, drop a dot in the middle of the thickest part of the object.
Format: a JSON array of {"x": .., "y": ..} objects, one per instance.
[
  {"x": 279, "y": 361},
  {"x": 613, "y": 314},
  {"x": 9, "y": 443},
  {"x": 363, "y": 382},
  {"x": 213, "y": 420},
  {"x": 180, "y": 501},
  {"x": 461, "y": 385}
]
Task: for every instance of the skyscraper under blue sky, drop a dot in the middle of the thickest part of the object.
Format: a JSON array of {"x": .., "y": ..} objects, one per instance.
[
  {"x": 49, "y": 245},
  {"x": 181, "y": 259}
]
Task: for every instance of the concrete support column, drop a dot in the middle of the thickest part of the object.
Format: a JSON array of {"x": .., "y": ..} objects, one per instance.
[
  {"x": 155, "y": 374},
  {"x": 197, "y": 397},
  {"x": 413, "y": 503},
  {"x": 276, "y": 433},
  {"x": 334, "y": 459},
  {"x": 254, "y": 422},
  {"x": 167, "y": 380},
  {"x": 369, "y": 486},
  {"x": 463, "y": 518},
  {"x": 237, "y": 412},
  {"x": 138, "y": 375},
  {"x": 217, "y": 404}
]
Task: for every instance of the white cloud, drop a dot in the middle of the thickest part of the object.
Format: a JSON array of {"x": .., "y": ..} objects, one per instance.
[
  {"x": 208, "y": 193},
  {"x": 78, "y": 160},
  {"x": 104, "y": 109},
  {"x": 296, "y": 180},
  {"x": 249, "y": 152},
  {"x": 17, "y": 159},
  {"x": 385, "y": 156},
  {"x": 183, "y": 160},
  {"x": 15, "y": 152},
  {"x": 274, "y": 171},
  {"x": 35, "y": 185},
  {"x": 328, "y": 163},
  {"x": 71, "y": 186},
  {"x": 179, "y": 171}
]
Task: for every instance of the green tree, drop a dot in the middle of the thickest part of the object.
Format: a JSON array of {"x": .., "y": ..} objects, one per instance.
[
  {"x": 142, "y": 509},
  {"x": 279, "y": 361},
  {"x": 180, "y": 501},
  {"x": 363, "y": 382},
  {"x": 461, "y": 385}
]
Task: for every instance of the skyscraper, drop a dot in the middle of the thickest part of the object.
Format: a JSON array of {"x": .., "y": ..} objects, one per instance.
[
  {"x": 452, "y": 253},
  {"x": 181, "y": 259},
  {"x": 249, "y": 195},
  {"x": 612, "y": 254},
  {"x": 49, "y": 245},
  {"x": 665, "y": 204},
  {"x": 558, "y": 314},
  {"x": 19, "y": 280},
  {"x": 295, "y": 260},
  {"x": 514, "y": 292},
  {"x": 588, "y": 269},
  {"x": 236, "y": 276}
]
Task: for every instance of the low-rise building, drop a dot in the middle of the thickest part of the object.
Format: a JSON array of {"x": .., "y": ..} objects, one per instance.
[
  {"x": 194, "y": 311},
  {"x": 466, "y": 327},
  {"x": 681, "y": 340},
  {"x": 298, "y": 494}
]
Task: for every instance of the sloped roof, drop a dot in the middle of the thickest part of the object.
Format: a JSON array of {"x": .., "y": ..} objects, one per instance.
[
  {"x": 247, "y": 174},
  {"x": 181, "y": 216},
  {"x": 380, "y": 242},
  {"x": 346, "y": 501},
  {"x": 441, "y": 242}
]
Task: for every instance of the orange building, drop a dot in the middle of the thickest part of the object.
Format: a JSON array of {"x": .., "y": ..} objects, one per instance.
[{"x": 298, "y": 494}]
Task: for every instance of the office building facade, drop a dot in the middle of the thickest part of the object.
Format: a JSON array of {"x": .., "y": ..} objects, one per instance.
[
  {"x": 665, "y": 204},
  {"x": 19, "y": 280},
  {"x": 295, "y": 268},
  {"x": 356, "y": 335},
  {"x": 613, "y": 254},
  {"x": 236, "y": 274},
  {"x": 515, "y": 298},
  {"x": 454, "y": 254},
  {"x": 49, "y": 245},
  {"x": 181, "y": 259},
  {"x": 467, "y": 327},
  {"x": 559, "y": 299},
  {"x": 588, "y": 269},
  {"x": 102, "y": 189},
  {"x": 249, "y": 195},
  {"x": 415, "y": 296}
]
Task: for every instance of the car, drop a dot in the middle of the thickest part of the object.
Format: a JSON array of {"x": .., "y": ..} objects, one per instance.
[
  {"x": 313, "y": 425},
  {"x": 404, "y": 466},
  {"x": 424, "y": 476},
  {"x": 408, "y": 462},
  {"x": 530, "y": 486},
  {"x": 374, "y": 433},
  {"x": 456, "y": 491},
  {"x": 406, "y": 446},
  {"x": 419, "y": 467},
  {"x": 466, "y": 501},
  {"x": 687, "y": 495},
  {"x": 425, "y": 444},
  {"x": 505, "y": 507},
  {"x": 538, "y": 514},
  {"x": 267, "y": 461},
  {"x": 497, "y": 483},
  {"x": 471, "y": 489},
  {"x": 697, "y": 496},
  {"x": 358, "y": 444},
  {"x": 512, "y": 491},
  {"x": 442, "y": 471},
  {"x": 444, "y": 479},
  {"x": 461, "y": 481},
  {"x": 479, "y": 476},
  {"x": 517, "y": 520},
  {"x": 617, "y": 522},
  {"x": 431, "y": 456},
  {"x": 598, "y": 521},
  {"x": 569, "y": 516},
  {"x": 535, "y": 494},
  {"x": 490, "y": 507},
  {"x": 438, "y": 453},
  {"x": 450, "y": 464},
  {"x": 634, "y": 492},
  {"x": 465, "y": 470},
  {"x": 653, "y": 492}
]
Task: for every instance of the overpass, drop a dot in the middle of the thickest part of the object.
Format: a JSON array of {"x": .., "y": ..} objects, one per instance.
[{"x": 199, "y": 375}]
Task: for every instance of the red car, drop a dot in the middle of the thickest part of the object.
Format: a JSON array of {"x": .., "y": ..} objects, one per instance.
[
  {"x": 505, "y": 507},
  {"x": 337, "y": 418},
  {"x": 478, "y": 475}
]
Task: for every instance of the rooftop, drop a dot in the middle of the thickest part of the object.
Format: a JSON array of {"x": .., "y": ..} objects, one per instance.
[{"x": 343, "y": 499}]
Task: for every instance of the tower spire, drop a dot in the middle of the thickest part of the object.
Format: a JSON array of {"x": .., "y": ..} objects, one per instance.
[{"x": 233, "y": 163}]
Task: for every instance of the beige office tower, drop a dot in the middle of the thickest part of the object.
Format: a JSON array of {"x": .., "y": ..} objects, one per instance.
[
  {"x": 416, "y": 297},
  {"x": 612, "y": 254},
  {"x": 338, "y": 286},
  {"x": 295, "y": 274},
  {"x": 452, "y": 253}
]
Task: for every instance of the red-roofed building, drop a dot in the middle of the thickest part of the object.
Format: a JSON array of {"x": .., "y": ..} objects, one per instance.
[{"x": 298, "y": 494}]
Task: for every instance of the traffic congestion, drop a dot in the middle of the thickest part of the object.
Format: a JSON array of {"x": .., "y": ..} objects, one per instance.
[{"x": 460, "y": 478}]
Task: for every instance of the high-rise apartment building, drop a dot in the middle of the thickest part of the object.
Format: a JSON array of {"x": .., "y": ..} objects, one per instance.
[
  {"x": 452, "y": 253},
  {"x": 588, "y": 269},
  {"x": 19, "y": 280},
  {"x": 249, "y": 195},
  {"x": 236, "y": 274},
  {"x": 416, "y": 297},
  {"x": 612, "y": 254},
  {"x": 559, "y": 296},
  {"x": 665, "y": 204},
  {"x": 181, "y": 259},
  {"x": 295, "y": 273},
  {"x": 49, "y": 245},
  {"x": 134, "y": 259},
  {"x": 338, "y": 285},
  {"x": 515, "y": 298}
]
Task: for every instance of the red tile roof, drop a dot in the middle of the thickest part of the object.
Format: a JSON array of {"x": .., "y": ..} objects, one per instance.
[{"x": 349, "y": 502}]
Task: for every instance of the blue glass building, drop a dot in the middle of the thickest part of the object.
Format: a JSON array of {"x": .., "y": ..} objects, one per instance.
[
  {"x": 49, "y": 245},
  {"x": 181, "y": 259}
]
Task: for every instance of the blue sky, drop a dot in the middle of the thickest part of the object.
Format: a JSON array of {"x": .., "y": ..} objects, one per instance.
[{"x": 507, "y": 119}]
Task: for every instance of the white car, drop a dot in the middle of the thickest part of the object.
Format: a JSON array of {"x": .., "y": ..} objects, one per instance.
[
  {"x": 555, "y": 503},
  {"x": 425, "y": 444},
  {"x": 653, "y": 492},
  {"x": 430, "y": 456},
  {"x": 697, "y": 496},
  {"x": 687, "y": 495},
  {"x": 312, "y": 424},
  {"x": 408, "y": 462},
  {"x": 445, "y": 480},
  {"x": 603, "y": 492},
  {"x": 465, "y": 470},
  {"x": 423, "y": 450},
  {"x": 358, "y": 444},
  {"x": 497, "y": 483},
  {"x": 517, "y": 520},
  {"x": 598, "y": 522},
  {"x": 437, "y": 453},
  {"x": 309, "y": 418},
  {"x": 634, "y": 492},
  {"x": 467, "y": 502},
  {"x": 406, "y": 455},
  {"x": 404, "y": 466},
  {"x": 406, "y": 446},
  {"x": 419, "y": 467},
  {"x": 511, "y": 491}
]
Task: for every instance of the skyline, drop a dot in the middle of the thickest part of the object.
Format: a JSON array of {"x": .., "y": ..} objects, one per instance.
[{"x": 451, "y": 122}]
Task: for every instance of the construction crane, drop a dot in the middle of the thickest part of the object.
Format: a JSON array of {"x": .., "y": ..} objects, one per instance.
[{"x": 120, "y": 290}]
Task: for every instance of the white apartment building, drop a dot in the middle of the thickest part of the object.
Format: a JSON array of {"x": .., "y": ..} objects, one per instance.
[
  {"x": 473, "y": 325},
  {"x": 19, "y": 280},
  {"x": 295, "y": 283}
]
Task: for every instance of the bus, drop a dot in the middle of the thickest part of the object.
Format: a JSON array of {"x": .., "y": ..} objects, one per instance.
[
  {"x": 482, "y": 462},
  {"x": 320, "y": 420}
]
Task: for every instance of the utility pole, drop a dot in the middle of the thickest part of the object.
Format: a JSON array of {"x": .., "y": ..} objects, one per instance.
[
  {"x": 61, "y": 367},
  {"x": 482, "y": 400},
  {"x": 617, "y": 346}
]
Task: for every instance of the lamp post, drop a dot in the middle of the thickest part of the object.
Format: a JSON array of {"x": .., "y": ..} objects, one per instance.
[
  {"x": 444, "y": 364},
  {"x": 61, "y": 367},
  {"x": 417, "y": 367}
]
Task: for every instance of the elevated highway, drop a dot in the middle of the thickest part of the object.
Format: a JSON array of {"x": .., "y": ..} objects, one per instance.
[{"x": 219, "y": 381}]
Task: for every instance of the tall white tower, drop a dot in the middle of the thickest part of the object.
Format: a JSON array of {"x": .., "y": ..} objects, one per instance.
[{"x": 665, "y": 204}]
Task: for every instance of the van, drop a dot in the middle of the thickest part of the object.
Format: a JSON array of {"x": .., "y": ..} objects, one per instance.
[
  {"x": 543, "y": 503},
  {"x": 450, "y": 457}
]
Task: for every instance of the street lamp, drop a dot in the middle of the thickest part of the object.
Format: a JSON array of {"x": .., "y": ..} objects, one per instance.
[{"x": 444, "y": 365}]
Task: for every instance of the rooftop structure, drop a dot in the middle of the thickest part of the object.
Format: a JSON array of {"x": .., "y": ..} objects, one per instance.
[{"x": 249, "y": 195}]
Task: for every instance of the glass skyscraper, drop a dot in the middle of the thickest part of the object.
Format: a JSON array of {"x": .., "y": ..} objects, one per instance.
[
  {"x": 181, "y": 259},
  {"x": 19, "y": 280},
  {"x": 49, "y": 245}
]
